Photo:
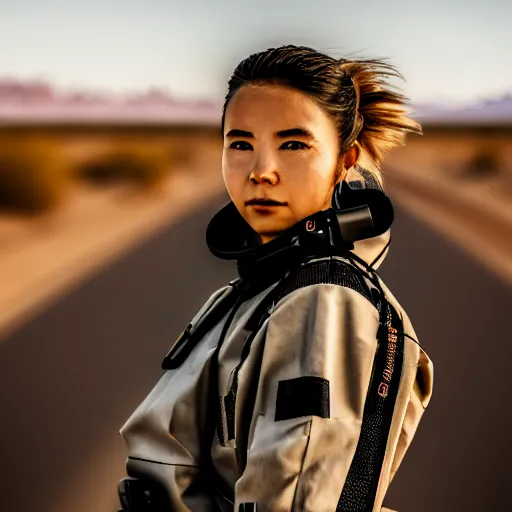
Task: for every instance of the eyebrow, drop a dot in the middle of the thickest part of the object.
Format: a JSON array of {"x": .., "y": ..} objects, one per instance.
[{"x": 292, "y": 132}]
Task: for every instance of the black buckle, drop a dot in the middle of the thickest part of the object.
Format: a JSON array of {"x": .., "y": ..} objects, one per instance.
[
  {"x": 139, "y": 495},
  {"x": 133, "y": 495}
]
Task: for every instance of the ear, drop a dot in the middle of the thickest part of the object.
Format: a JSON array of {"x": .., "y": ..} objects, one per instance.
[
  {"x": 347, "y": 160},
  {"x": 351, "y": 156}
]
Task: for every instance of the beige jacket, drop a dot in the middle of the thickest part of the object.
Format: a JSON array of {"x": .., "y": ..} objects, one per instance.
[{"x": 311, "y": 364}]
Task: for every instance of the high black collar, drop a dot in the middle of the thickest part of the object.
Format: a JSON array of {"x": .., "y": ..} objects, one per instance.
[{"x": 229, "y": 236}]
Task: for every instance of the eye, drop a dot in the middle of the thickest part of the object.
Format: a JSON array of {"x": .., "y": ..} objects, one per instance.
[
  {"x": 241, "y": 145},
  {"x": 294, "y": 145}
]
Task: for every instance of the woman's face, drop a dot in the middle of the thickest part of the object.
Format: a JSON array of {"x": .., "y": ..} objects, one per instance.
[{"x": 280, "y": 145}]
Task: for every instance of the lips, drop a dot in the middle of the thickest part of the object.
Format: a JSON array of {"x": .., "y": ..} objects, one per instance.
[{"x": 264, "y": 202}]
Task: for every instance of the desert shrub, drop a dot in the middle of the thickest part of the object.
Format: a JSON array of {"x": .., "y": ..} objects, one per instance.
[
  {"x": 482, "y": 164},
  {"x": 146, "y": 166},
  {"x": 33, "y": 174}
]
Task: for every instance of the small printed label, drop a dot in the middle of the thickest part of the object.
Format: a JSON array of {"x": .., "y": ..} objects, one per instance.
[
  {"x": 390, "y": 362},
  {"x": 310, "y": 225},
  {"x": 383, "y": 390}
]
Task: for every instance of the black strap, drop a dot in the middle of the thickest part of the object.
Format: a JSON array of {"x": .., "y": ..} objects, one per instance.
[
  {"x": 377, "y": 258},
  {"x": 361, "y": 484}
]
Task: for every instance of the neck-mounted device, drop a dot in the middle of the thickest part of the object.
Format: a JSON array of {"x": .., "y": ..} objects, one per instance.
[{"x": 355, "y": 214}]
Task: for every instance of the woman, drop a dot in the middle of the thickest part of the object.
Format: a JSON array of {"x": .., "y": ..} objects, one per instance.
[{"x": 299, "y": 385}]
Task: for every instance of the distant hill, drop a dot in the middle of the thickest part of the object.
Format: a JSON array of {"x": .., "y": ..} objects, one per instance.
[
  {"x": 24, "y": 102},
  {"x": 496, "y": 112},
  {"x": 37, "y": 102}
]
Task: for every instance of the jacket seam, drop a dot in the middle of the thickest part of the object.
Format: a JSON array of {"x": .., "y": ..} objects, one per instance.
[{"x": 162, "y": 463}]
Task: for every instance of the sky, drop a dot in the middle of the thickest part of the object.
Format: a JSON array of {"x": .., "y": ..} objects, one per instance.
[{"x": 450, "y": 51}]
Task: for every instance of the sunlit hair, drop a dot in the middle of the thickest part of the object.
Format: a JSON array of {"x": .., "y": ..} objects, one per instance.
[{"x": 356, "y": 94}]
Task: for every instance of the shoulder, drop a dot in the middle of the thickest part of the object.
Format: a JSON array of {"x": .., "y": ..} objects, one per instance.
[
  {"x": 335, "y": 276},
  {"x": 324, "y": 302},
  {"x": 211, "y": 301}
]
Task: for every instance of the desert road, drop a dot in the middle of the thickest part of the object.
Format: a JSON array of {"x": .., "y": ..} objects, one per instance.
[{"x": 71, "y": 377}]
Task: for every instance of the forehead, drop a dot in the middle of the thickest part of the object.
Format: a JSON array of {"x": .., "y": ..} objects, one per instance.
[{"x": 274, "y": 107}]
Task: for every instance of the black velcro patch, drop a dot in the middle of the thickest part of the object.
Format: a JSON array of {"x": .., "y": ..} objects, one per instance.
[{"x": 304, "y": 396}]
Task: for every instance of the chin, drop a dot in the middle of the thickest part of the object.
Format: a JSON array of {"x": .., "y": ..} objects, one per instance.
[
  {"x": 268, "y": 222},
  {"x": 269, "y": 227}
]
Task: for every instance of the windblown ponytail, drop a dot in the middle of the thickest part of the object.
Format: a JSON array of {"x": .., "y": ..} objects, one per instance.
[{"x": 382, "y": 110}]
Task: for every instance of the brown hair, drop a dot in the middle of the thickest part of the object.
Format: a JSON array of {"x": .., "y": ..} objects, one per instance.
[{"x": 354, "y": 93}]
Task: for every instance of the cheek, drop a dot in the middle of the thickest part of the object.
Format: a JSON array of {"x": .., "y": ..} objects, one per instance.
[
  {"x": 310, "y": 185},
  {"x": 313, "y": 175},
  {"x": 233, "y": 175}
]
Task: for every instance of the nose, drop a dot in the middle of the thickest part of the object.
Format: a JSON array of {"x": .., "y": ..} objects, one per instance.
[{"x": 264, "y": 171}]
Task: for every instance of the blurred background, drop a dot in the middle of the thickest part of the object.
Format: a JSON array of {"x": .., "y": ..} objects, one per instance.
[{"x": 110, "y": 172}]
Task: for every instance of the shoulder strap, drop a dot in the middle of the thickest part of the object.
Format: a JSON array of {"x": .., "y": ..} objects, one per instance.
[
  {"x": 361, "y": 485},
  {"x": 328, "y": 271}
]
